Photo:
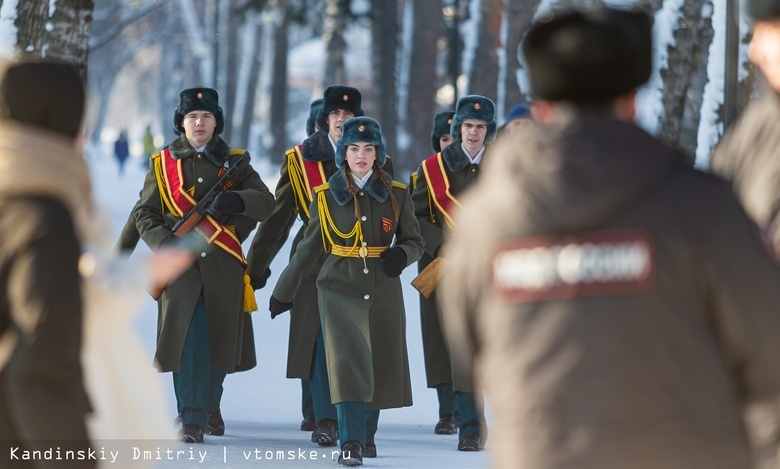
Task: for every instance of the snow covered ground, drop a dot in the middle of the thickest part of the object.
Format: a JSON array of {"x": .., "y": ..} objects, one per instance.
[{"x": 261, "y": 407}]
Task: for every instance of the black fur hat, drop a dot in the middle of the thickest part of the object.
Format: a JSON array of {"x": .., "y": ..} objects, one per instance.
[
  {"x": 763, "y": 10},
  {"x": 441, "y": 126},
  {"x": 198, "y": 98},
  {"x": 361, "y": 129},
  {"x": 589, "y": 56},
  {"x": 314, "y": 110},
  {"x": 48, "y": 95},
  {"x": 475, "y": 107},
  {"x": 339, "y": 97}
]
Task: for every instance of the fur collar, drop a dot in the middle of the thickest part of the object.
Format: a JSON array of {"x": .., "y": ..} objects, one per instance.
[
  {"x": 374, "y": 187},
  {"x": 454, "y": 156},
  {"x": 318, "y": 148},
  {"x": 217, "y": 151}
]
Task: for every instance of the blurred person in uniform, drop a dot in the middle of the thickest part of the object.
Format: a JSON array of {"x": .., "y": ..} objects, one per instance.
[
  {"x": 149, "y": 147},
  {"x": 441, "y": 180},
  {"x": 44, "y": 183},
  {"x": 438, "y": 369},
  {"x": 202, "y": 328},
  {"x": 517, "y": 117},
  {"x": 623, "y": 312},
  {"x": 305, "y": 167},
  {"x": 121, "y": 151},
  {"x": 749, "y": 154},
  {"x": 362, "y": 233}
]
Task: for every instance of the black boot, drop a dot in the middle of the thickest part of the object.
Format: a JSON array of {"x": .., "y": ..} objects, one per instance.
[
  {"x": 216, "y": 424},
  {"x": 470, "y": 442},
  {"x": 326, "y": 434},
  {"x": 370, "y": 450},
  {"x": 446, "y": 425},
  {"x": 191, "y": 433},
  {"x": 351, "y": 454},
  {"x": 308, "y": 424}
]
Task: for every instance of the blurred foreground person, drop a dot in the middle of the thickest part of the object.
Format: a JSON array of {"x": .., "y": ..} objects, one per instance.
[
  {"x": 624, "y": 311},
  {"x": 43, "y": 183},
  {"x": 749, "y": 154}
]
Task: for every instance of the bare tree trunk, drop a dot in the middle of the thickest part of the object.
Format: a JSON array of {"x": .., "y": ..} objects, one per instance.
[
  {"x": 384, "y": 35},
  {"x": 230, "y": 74},
  {"x": 422, "y": 79},
  {"x": 484, "y": 71},
  {"x": 278, "y": 119},
  {"x": 68, "y": 38},
  {"x": 518, "y": 17},
  {"x": 252, "y": 82},
  {"x": 333, "y": 35},
  {"x": 31, "y": 18},
  {"x": 682, "y": 77}
]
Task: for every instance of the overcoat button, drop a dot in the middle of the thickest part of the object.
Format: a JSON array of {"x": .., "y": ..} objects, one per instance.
[
  {"x": 360, "y": 193},
  {"x": 363, "y": 218},
  {"x": 203, "y": 254},
  {"x": 200, "y": 179},
  {"x": 366, "y": 297}
]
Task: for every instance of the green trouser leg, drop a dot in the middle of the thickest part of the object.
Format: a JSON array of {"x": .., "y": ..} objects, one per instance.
[
  {"x": 352, "y": 422},
  {"x": 216, "y": 378},
  {"x": 469, "y": 415},
  {"x": 372, "y": 423},
  {"x": 307, "y": 403},
  {"x": 192, "y": 383},
  {"x": 320, "y": 386},
  {"x": 446, "y": 399}
]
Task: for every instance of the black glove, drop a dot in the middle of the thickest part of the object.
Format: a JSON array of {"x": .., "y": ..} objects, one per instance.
[
  {"x": 277, "y": 307},
  {"x": 225, "y": 206},
  {"x": 393, "y": 261},
  {"x": 259, "y": 282}
]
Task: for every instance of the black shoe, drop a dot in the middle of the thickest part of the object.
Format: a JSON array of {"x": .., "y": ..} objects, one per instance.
[
  {"x": 191, "y": 433},
  {"x": 216, "y": 424},
  {"x": 446, "y": 426},
  {"x": 370, "y": 450},
  {"x": 308, "y": 424},
  {"x": 326, "y": 434},
  {"x": 351, "y": 454},
  {"x": 469, "y": 442}
]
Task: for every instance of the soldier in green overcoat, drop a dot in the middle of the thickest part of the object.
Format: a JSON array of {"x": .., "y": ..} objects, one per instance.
[
  {"x": 306, "y": 166},
  {"x": 441, "y": 180},
  {"x": 438, "y": 370},
  {"x": 200, "y": 330},
  {"x": 363, "y": 226}
]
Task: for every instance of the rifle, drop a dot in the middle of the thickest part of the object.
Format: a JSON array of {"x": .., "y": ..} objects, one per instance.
[
  {"x": 429, "y": 278},
  {"x": 190, "y": 220}
]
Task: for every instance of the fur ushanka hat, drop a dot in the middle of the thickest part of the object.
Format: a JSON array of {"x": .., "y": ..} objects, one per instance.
[
  {"x": 475, "y": 107},
  {"x": 314, "y": 110},
  {"x": 45, "y": 94},
  {"x": 441, "y": 126},
  {"x": 763, "y": 10},
  {"x": 361, "y": 129},
  {"x": 198, "y": 98},
  {"x": 339, "y": 97},
  {"x": 589, "y": 56}
]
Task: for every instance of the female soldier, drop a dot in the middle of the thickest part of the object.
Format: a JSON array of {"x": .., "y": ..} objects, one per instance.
[{"x": 354, "y": 220}]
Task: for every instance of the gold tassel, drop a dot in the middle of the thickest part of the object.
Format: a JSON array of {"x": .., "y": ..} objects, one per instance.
[{"x": 250, "y": 304}]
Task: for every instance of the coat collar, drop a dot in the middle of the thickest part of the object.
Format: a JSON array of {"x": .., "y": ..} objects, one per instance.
[
  {"x": 217, "y": 151},
  {"x": 374, "y": 187},
  {"x": 454, "y": 157},
  {"x": 318, "y": 148}
]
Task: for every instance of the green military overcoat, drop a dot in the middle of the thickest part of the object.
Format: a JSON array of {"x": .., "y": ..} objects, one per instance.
[
  {"x": 217, "y": 274},
  {"x": 273, "y": 233},
  {"x": 362, "y": 314}
]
